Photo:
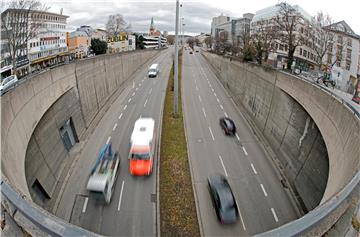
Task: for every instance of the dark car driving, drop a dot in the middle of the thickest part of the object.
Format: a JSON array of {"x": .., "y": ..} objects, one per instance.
[
  {"x": 223, "y": 199},
  {"x": 228, "y": 126}
]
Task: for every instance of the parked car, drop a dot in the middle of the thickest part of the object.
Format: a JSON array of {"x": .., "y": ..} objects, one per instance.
[
  {"x": 223, "y": 199},
  {"x": 191, "y": 52},
  {"x": 7, "y": 83},
  {"x": 228, "y": 126},
  {"x": 197, "y": 51}
]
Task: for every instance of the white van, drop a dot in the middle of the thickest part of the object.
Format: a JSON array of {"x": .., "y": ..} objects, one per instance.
[{"x": 153, "y": 70}]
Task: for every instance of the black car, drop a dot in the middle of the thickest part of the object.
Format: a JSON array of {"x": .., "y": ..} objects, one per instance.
[
  {"x": 228, "y": 126},
  {"x": 197, "y": 51},
  {"x": 223, "y": 199},
  {"x": 191, "y": 52}
]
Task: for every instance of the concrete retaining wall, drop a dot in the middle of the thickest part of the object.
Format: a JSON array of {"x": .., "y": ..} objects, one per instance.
[
  {"x": 280, "y": 104},
  {"x": 92, "y": 80}
]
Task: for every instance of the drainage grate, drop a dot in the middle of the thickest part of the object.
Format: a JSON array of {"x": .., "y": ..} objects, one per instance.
[{"x": 153, "y": 198}]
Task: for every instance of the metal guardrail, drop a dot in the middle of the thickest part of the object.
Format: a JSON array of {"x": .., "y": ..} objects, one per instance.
[{"x": 46, "y": 222}]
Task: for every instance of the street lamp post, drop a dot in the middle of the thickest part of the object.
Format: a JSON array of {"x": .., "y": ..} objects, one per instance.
[{"x": 176, "y": 75}]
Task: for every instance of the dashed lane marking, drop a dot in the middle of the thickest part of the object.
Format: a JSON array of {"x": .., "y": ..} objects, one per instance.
[
  {"x": 121, "y": 192},
  {"x": 274, "y": 214},
  {"x": 85, "y": 205},
  {"x": 108, "y": 140},
  {"x": 222, "y": 163},
  {"x": 212, "y": 135},
  {"x": 253, "y": 168},
  {"x": 263, "y": 189},
  {"x": 114, "y": 126},
  {"x": 244, "y": 150},
  {"x": 120, "y": 116}
]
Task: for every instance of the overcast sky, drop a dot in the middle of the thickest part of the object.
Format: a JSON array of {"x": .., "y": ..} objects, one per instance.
[{"x": 197, "y": 14}]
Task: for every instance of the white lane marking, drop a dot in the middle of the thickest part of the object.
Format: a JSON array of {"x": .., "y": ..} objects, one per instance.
[
  {"x": 237, "y": 137},
  {"x": 142, "y": 80},
  {"x": 274, "y": 214},
  {"x": 120, "y": 116},
  {"x": 85, "y": 205},
  {"x": 197, "y": 88},
  {"x": 218, "y": 100},
  {"x": 244, "y": 150},
  {"x": 210, "y": 86},
  {"x": 226, "y": 115},
  {"x": 253, "y": 168},
  {"x": 136, "y": 89},
  {"x": 139, "y": 84},
  {"x": 125, "y": 107},
  {"x": 204, "y": 112},
  {"x": 121, "y": 192},
  {"x": 221, "y": 107},
  {"x": 195, "y": 81},
  {"x": 263, "y": 189},
  {"x": 150, "y": 91},
  {"x": 114, "y": 126},
  {"x": 222, "y": 163},
  {"x": 129, "y": 100},
  {"x": 145, "y": 102},
  {"x": 200, "y": 98},
  {"x": 215, "y": 95},
  {"x": 212, "y": 89},
  {"x": 212, "y": 135},
  {"x": 133, "y": 93},
  {"x": 108, "y": 140},
  {"x": 133, "y": 84},
  {"x": 241, "y": 218}
]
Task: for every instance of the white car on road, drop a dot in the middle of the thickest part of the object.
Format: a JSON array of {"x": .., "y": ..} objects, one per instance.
[{"x": 7, "y": 83}]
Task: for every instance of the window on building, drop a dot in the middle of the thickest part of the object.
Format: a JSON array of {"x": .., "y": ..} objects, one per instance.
[
  {"x": 301, "y": 51},
  {"x": 340, "y": 39},
  {"x": 348, "y": 63},
  {"x": 329, "y": 58},
  {"x": 304, "y": 53},
  {"x": 349, "y": 43},
  {"x": 348, "y": 53}
]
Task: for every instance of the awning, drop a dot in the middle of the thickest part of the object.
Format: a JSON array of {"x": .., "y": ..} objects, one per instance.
[{"x": 43, "y": 59}]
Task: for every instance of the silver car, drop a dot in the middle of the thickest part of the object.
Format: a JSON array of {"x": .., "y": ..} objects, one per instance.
[{"x": 7, "y": 83}]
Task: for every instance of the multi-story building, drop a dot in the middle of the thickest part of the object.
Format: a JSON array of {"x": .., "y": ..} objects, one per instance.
[
  {"x": 240, "y": 28},
  {"x": 202, "y": 38},
  {"x": 343, "y": 54},
  {"x": 48, "y": 46},
  {"x": 121, "y": 43},
  {"x": 99, "y": 34},
  {"x": 216, "y": 21},
  {"x": 78, "y": 43},
  {"x": 304, "y": 55}
]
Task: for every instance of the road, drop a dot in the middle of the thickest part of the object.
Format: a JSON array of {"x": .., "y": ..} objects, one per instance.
[
  {"x": 132, "y": 211},
  {"x": 263, "y": 202}
]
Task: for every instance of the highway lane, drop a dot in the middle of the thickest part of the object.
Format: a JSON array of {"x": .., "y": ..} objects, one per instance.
[
  {"x": 263, "y": 202},
  {"x": 132, "y": 208}
]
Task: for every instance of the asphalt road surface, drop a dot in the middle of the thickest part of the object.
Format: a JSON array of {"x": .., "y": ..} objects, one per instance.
[
  {"x": 263, "y": 202},
  {"x": 132, "y": 211}
]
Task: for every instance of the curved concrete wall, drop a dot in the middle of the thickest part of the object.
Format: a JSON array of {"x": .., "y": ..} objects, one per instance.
[
  {"x": 339, "y": 126},
  {"x": 95, "y": 80}
]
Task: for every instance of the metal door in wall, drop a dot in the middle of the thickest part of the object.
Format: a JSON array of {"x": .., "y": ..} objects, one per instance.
[{"x": 67, "y": 135}]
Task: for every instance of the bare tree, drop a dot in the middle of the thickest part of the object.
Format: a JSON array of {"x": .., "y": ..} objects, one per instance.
[
  {"x": 321, "y": 39},
  {"x": 262, "y": 39},
  {"x": 116, "y": 24},
  {"x": 170, "y": 39},
  {"x": 208, "y": 41},
  {"x": 19, "y": 27},
  {"x": 190, "y": 41},
  {"x": 290, "y": 23}
]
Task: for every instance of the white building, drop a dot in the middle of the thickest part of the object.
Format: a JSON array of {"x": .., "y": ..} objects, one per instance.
[
  {"x": 347, "y": 44},
  {"x": 216, "y": 21},
  {"x": 48, "y": 47},
  {"x": 154, "y": 41},
  {"x": 304, "y": 55}
]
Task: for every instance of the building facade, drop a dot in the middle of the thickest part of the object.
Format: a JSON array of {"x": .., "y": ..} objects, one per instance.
[
  {"x": 304, "y": 55},
  {"x": 78, "y": 43},
  {"x": 343, "y": 55},
  {"x": 99, "y": 34},
  {"x": 48, "y": 46},
  {"x": 121, "y": 43}
]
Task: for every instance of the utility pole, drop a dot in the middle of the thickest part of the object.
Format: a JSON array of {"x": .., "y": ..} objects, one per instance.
[{"x": 176, "y": 65}]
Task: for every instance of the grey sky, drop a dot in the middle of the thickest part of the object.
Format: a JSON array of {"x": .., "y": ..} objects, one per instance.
[{"x": 197, "y": 14}]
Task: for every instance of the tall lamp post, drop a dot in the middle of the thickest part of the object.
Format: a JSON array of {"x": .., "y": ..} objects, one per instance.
[{"x": 176, "y": 65}]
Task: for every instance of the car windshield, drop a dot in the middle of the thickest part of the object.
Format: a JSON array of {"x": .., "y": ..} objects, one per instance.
[
  {"x": 140, "y": 156},
  {"x": 228, "y": 123},
  {"x": 152, "y": 70}
]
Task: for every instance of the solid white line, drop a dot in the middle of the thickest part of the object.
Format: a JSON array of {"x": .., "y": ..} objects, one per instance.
[
  {"x": 108, "y": 140},
  {"x": 114, "y": 126},
  {"x": 121, "y": 192},
  {"x": 244, "y": 150},
  {"x": 200, "y": 98},
  {"x": 237, "y": 137},
  {"x": 253, "y": 168},
  {"x": 204, "y": 112},
  {"x": 125, "y": 107},
  {"x": 263, "y": 189},
  {"x": 85, "y": 205},
  {"x": 218, "y": 100},
  {"x": 133, "y": 94},
  {"x": 226, "y": 115},
  {"x": 274, "y": 214},
  {"x": 150, "y": 91},
  {"x": 120, "y": 116},
  {"x": 212, "y": 135},
  {"x": 221, "y": 107},
  {"x": 222, "y": 163},
  {"x": 129, "y": 100},
  {"x": 241, "y": 218},
  {"x": 145, "y": 102}
]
